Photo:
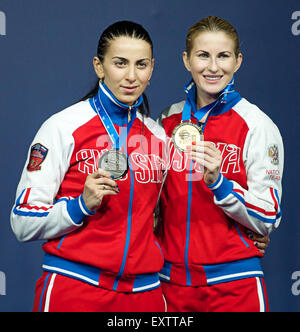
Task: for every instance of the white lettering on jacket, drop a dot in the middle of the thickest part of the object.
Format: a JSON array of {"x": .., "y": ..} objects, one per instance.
[
  {"x": 147, "y": 167},
  {"x": 230, "y": 158},
  {"x": 231, "y": 155}
]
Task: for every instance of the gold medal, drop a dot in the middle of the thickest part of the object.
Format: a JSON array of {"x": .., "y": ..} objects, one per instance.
[{"x": 185, "y": 134}]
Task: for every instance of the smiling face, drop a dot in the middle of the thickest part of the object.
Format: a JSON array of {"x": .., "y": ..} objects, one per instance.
[
  {"x": 212, "y": 63},
  {"x": 127, "y": 68}
]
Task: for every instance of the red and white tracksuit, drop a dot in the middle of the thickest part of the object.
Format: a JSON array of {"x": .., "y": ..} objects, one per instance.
[
  {"x": 203, "y": 233},
  {"x": 113, "y": 249}
]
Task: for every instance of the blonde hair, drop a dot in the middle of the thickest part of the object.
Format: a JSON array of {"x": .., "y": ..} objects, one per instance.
[{"x": 212, "y": 24}]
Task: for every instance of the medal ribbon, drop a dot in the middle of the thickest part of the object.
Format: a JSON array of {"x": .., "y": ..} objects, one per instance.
[
  {"x": 117, "y": 140},
  {"x": 187, "y": 110}
]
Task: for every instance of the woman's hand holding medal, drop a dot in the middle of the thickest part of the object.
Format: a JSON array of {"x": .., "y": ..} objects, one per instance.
[
  {"x": 209, "y": 156},
  {"x": 98, "y": 185}
]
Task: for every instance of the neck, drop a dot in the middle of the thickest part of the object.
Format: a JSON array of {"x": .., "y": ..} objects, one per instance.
[
  {"x": 204, "y": 100},
  {"x": 121, "y": 114}
]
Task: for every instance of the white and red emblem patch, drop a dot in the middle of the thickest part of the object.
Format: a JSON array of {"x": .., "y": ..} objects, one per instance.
[{"x": 38, "y": 154}]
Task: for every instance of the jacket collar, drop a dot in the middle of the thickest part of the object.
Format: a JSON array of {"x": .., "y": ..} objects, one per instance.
[
  {"x": 117, "y": 111},
  {"x": 227, "y": 99}
]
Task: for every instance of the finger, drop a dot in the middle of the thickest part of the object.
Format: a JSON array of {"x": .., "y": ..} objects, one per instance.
[
  {"x": 106, "y": 181},
  {"x": 204, "y": 157},
  {"x": 261, "y": 239},
  {"x": 261, "y": 249},
  {"x": 198, "y": 146},
  {"x": 258, "y": 238},
  {"x": 261, "y": 242},
  {"x": 265, "y": 239},
  {"x": 108, "y": 192},
  {"x": 208, "y": 149},
  {"x": 211, "y": 168},
  {"x": 102, "y": 173},
  {"x": 260, "y": 245},
  {"x": 204, "y": 144},
  {"x": 105, "y": 187},
  {"x": 206, "y": 161},
  {"x": 209, "y": 152}
]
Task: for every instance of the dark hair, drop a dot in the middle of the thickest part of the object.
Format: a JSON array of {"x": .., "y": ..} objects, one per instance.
[{"x": 121, "y": 29}]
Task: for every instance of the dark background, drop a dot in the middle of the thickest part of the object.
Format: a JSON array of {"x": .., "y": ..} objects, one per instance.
[{"x": 46, "y": 65}]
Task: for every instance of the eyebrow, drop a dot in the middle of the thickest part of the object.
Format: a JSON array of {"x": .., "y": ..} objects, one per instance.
[
  {"x": 124, "y": 59},
  {"x": 208, "y": 52}
]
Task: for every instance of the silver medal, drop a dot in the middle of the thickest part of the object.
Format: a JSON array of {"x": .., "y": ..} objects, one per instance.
[{"x": 115, "y": 162}]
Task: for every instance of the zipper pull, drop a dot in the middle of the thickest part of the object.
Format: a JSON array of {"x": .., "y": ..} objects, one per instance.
[{"x": 129, "y": 114}]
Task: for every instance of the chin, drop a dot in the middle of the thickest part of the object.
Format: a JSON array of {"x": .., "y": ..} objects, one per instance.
[
  {"x": 215, "y": 91},
  {"x": 129, "y": 101}
]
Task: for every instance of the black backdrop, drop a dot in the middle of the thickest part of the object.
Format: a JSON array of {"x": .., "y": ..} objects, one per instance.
[{"x": 46, "y": 50}]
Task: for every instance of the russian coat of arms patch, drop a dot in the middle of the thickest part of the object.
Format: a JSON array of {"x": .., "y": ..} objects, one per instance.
[{"x": 274, "y": 154}]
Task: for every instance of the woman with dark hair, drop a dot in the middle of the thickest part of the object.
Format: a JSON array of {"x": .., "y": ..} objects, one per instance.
[
  {"x": 224, "y": 179},
  {"x": 90, "y": 185},
  {"x": 128, "y": 29}
]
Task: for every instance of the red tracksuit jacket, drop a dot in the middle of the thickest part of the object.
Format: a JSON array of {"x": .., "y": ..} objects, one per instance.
[
  {"x": 114, "y": 248},
  {"x": 203, "y": 229}
]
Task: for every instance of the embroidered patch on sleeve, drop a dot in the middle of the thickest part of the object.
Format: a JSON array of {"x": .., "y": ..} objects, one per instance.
[
  {"x": 38, "y": 154},
  {"x": 273, "y": 153}
]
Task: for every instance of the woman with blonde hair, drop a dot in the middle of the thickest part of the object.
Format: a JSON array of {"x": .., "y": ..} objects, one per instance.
[{"x": 220, "y": 184}]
